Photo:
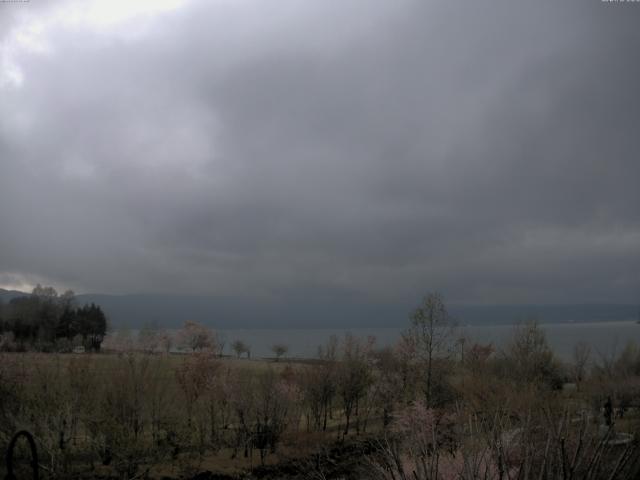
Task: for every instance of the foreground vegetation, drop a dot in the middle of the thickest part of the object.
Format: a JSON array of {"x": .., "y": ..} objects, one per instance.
[{"x": 435, "y": 406}]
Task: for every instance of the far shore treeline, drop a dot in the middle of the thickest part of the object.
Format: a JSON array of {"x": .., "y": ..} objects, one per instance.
[{"x": 46, "y": 321}]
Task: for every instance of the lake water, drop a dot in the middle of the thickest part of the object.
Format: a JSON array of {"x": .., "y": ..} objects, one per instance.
[{"x": 605, "y": 338}]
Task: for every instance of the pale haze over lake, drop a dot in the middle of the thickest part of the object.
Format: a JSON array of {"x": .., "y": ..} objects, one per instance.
[{"x": 605, "y": 338}]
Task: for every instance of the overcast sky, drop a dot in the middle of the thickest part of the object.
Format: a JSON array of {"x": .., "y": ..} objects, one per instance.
[{"x": 376, "y": 148}]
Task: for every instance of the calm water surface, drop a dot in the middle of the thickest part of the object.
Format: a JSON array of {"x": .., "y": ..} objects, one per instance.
[{"x": 605, "y": 338}]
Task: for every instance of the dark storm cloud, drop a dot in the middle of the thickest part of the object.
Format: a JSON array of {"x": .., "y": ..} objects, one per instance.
[{"x": 372, "y": 148}]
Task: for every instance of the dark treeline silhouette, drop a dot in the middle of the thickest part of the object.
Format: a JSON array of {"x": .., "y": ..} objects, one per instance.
[{"x": 46, "y": 321}]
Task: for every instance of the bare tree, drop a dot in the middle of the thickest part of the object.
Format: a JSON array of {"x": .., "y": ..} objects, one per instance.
[
  {"x": 274, "y": 401},
  {"x": 148, "y": 338},
  {"x": 416, "y": 446},
  {"x": 194, "y": 376},
  {"x": 117, "y": 427},
  {"x": 239, "y": 347},
  {"x": 581, "y": 356},
  {"x": 221, "y": 342},
  {"x": 530, "y": 358},
  {"x": 165, "y": 341},
  {"x": 354, "y": 377},
  {"x": 431, "y": 332},
  {"x": 279, "y": 349},
  {"x": 318, "y": 386},
  {"x": 197, "y": 337}
]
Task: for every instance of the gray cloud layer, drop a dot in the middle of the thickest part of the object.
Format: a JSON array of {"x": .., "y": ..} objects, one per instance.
[{"x": 373, "y": 148}]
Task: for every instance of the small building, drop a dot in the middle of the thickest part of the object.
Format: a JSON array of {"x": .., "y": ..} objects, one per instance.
[{"x": 79, "y": 349}]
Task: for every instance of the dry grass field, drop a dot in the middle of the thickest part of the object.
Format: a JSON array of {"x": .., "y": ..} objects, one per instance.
[{"x": 355, "y": 412}]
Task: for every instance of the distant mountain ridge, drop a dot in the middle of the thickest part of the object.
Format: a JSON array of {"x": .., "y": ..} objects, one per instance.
[
  {"x": 346, "y": 312},
  {"x": 299, "y": 312},
  {"x": 8, "y": 295}
]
